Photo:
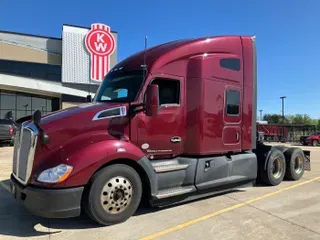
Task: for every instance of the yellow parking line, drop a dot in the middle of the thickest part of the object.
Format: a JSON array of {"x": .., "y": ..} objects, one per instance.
[
  {"x": 5, "y": 186},
  {"x": 228, "y": 209}
]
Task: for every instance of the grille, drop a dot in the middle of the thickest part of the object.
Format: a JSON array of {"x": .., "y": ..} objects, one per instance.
[{"x": 23, "y": 153}]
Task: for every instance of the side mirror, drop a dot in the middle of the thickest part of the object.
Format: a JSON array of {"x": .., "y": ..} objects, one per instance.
[
  {"x": 89, "y": 98},
  {"x": 9, "y": 115},
  {"x": 152, "y": 100},
  {"x": 36, "y": 117}
]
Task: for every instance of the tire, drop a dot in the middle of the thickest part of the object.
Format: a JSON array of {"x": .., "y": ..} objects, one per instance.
[
  {"x": 114, "y": 195},
  {"x": 276, "y": 160},
  {"x": 314, "y": 143},
  {"x": 295, "y": 163}
]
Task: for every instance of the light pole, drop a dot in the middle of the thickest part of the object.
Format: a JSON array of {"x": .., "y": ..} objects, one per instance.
[
  {"x": 282, "y": 110},
  {"x": 260, "y": 115},
  {"x": 282, "y": 99}
]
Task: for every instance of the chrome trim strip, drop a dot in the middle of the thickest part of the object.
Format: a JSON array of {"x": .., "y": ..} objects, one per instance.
[
  {"x": 170, "y": 168},
  {"x": 174, "y": 192},
  {"x": 254, "y": 97},
  {"x": 123, "y": 112},
  {"x": 31, "y": 157}
]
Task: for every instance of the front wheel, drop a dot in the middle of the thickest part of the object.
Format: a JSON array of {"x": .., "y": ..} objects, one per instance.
[{"x": 114, "y": 195}]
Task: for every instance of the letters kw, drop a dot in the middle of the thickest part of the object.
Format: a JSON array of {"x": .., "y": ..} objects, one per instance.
[{"x": 100, "y": 43}]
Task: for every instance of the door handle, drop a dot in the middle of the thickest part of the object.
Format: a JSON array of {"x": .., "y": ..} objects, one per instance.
[
  {"x": 237, "y": 136},
  {"x": 176, "y": 139}
]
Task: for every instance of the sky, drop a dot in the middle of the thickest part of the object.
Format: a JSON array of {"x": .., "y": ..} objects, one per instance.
[{"x": 287, "y": 34}]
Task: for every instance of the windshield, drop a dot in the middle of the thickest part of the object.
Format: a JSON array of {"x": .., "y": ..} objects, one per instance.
[
  {"x": 119, "y": 87},
  {"x": 314, "y": 134}
]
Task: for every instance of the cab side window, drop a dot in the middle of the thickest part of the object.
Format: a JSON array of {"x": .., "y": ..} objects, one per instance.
[
  {"x": 169, "y": 91},
  {"x": 230, "y": 63}
]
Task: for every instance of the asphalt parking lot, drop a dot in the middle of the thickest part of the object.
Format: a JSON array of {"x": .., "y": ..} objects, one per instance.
[{"x": 288, "y": 211}]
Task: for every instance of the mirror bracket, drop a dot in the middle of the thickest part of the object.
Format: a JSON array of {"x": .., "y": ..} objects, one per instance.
[{"x": 89, "y": 98}]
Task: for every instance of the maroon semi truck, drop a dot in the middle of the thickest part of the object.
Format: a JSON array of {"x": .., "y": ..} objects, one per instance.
[{"x": 168, "y": 124}]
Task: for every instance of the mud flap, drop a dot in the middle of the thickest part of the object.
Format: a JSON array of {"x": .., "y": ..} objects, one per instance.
[{"x": 307, "y": 164}]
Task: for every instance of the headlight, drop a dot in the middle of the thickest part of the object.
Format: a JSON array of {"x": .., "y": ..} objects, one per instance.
[{"x": 56, "y": 174}]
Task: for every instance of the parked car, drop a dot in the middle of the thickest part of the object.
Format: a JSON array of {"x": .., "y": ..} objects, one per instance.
[
  {"x": 8, "y": 127},
  {"x": 313, "y": 139}
]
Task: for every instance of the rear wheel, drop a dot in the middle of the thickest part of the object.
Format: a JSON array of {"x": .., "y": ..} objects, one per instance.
[
  {"x": 114, "y": 195},
  {"x": 275, "y": 169},
  {"x": 295, "y": 163}
]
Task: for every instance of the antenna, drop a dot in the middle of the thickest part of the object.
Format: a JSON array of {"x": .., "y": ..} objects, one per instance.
[{"x": 144, "y": 66}]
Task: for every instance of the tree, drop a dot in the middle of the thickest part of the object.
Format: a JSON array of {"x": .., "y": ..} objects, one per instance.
[
  {"x": 272, "y": 118},
  {"x": 291, "y": 119},
  {"x": 318, "y": 125},
  {"x": 301, "y": 119}
]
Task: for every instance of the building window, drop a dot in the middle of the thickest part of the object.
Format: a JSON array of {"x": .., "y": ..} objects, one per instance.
[
  {"x": 32, "y": 70},
  {"x": 39, "y": 104},
  {"x": 8, "y": 101},
  {"x": 233, "y": 102},
  {"x": 23, "y": 105},
  {"x": 230, "y": 63},
  {"x": 169, "y": 91}
]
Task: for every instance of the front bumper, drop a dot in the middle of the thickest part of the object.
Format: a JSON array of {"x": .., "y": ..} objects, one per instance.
[{"x": 48, "y": 203}]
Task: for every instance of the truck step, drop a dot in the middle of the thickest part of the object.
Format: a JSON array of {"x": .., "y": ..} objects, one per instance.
[
  {"x": 176, "y": 191},
  {"x": 170, "y": 167}
]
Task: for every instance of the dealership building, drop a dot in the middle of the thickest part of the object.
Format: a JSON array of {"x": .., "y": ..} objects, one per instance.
[{"x": 48, "y": 74}]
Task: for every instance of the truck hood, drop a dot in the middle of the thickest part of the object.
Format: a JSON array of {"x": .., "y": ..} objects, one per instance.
[
  {"x": 65, "y": 113},
  {"x": 68, "y": 123}
]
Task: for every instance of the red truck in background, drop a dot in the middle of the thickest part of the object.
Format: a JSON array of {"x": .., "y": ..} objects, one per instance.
[
  {"x": 312, "y": 139},
  {"x": 273, "y": 132},
  {"x": 183, "y": 127}
]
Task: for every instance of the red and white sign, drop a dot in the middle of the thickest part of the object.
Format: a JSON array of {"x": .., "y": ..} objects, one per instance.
[{"x": 101, "y": 44}]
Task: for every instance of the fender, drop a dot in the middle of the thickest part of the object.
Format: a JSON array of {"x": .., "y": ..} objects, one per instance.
[
  {"x": 87, "y": 153},
  {"x": 48, "y": 158},
  {"x": 95, "y": 155},
  {"x": 283, "y": 149},
  {"x": 92, "y": 157}
]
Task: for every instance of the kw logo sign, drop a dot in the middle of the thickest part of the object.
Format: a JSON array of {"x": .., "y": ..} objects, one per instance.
[{"x": 101, "y": 44}]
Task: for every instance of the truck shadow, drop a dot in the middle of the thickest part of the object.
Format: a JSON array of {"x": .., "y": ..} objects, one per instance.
[{"x": 16, "y": 221}]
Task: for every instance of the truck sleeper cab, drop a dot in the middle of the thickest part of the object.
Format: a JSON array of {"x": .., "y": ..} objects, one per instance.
[{"x": 168, "y": 124}]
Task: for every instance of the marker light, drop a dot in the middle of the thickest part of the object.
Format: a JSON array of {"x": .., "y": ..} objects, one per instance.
[{"x": 56, "y": 174}]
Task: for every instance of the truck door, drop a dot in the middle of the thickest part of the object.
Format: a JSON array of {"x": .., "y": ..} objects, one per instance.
[
  {"x": 162, "y": 136},
  {"x": 232, "y": 117}
]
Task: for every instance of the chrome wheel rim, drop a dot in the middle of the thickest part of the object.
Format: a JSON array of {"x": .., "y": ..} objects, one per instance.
[
  {"x": 298, "y": 164},
  {"x": 277, "y": 168},
  {"x": 116, "y": 195}
]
